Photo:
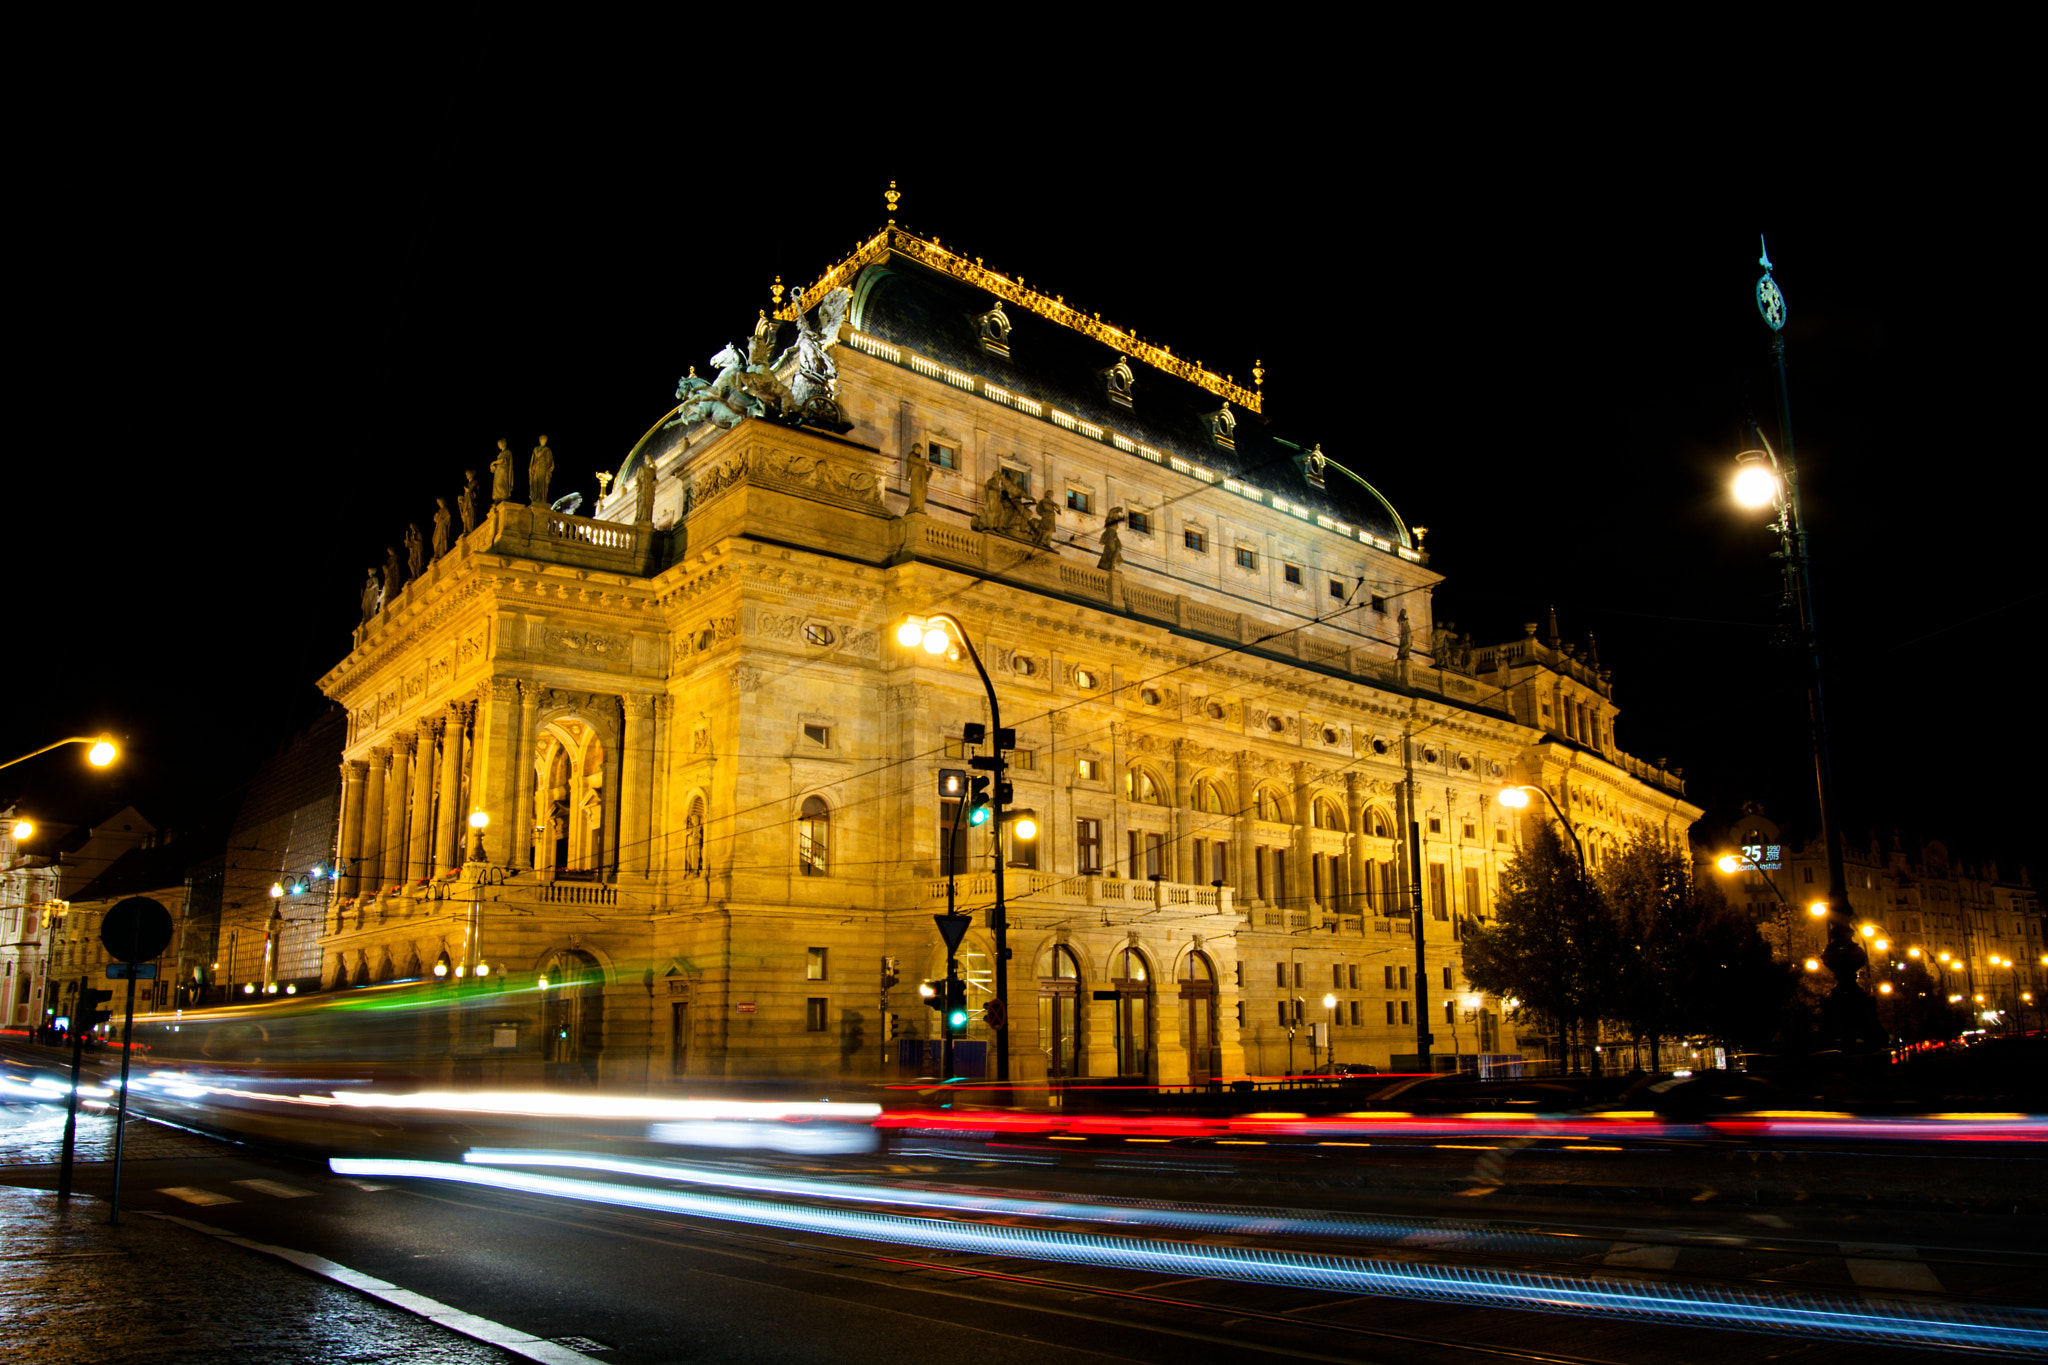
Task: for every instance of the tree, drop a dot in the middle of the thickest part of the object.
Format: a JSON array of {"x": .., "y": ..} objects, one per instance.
[{"x": 1553, "y": 944}]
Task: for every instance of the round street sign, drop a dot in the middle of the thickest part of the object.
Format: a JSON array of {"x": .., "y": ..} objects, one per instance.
[{"x": 136, "y": 930}]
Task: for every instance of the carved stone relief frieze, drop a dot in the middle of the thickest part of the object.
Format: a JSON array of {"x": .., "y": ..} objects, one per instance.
[
  {"x": 587, "y": 643},
  {"x": 504, "y": 690},
  {"x": 745, "y": 678},
  {"x": 438, "y": 671},
  {"x": 415, "y": 686},
  {"x": 862, "y": 644}
]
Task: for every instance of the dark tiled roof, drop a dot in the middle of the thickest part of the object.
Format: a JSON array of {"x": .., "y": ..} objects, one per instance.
[{"x": 910, "y": 305}]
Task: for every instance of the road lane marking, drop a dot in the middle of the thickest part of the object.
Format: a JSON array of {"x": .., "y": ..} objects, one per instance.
[
  {"x": 1888, "y": 1267},
  {"x": 454, "y": 1319},
  {"x": 192, "y": 1194},
  {"x": 363, "y": 1185},
  {"x": 274, "y": 1187}
]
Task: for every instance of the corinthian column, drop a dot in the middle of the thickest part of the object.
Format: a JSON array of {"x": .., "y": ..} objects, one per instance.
[
  {"x": 1354, "y": 844},
  {"x": 520, "y": 854},
  {"x": 1183, "y": 817},
  {"x": 448, "y": 827},
  {"x": 370, "y": 870},
  {"x": 632, "y": 785},
  {"x": 419, "y": 854},
  {"x": 350, "y": 847},
  {"x": 396, "y": 793}
]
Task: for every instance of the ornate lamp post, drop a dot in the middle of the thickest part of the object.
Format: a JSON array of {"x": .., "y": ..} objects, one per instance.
[
  {"x": 1763, "y": 479},
  {"x": 935, "y": 632}
]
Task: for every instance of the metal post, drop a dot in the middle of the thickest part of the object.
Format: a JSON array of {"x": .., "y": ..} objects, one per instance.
[
  {"x": 71, "y": 1102},
  {"x": 998, "y": 919},
  {"x": 1423, "y": 1038},
  {"x": 121, "y": 1107}
]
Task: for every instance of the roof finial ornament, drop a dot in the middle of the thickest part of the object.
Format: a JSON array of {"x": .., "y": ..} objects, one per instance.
[
  {"x": 891, "y": 196},
  {"x": 604, "y": 483},
  {"x": 1258, "y": 374},
  {"x": 775, "y": 291}
]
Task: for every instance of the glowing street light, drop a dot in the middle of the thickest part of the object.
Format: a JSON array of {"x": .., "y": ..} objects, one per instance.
[
  {"x": 99, "y": 755},
  {"x": 1517, "y": 796}
]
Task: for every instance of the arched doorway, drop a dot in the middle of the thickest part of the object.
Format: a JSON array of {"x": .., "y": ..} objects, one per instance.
[
  {"x": 1198, "y": 1017},
  {"x": 1131, "y": 976},
  {"x": 569, "y": 799},
  {"x": 571, "y": 1017},
  {"x": 1060, "y": 1015}
]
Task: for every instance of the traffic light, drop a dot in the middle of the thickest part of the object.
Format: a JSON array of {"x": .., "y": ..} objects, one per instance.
[
  {"x": 973, "y": 732},
  {"x": 895, "y": 1027},
  {"x": 956, "y": 1004},
  {"x": 888, "y": 972},
  {"x": 93, "y": 1007},
  {"x": 952, "y": 783},
  {"x": 977, "y": 801},
  {"x": 934, "y": 993},
  {"x": 1005, "y": 793}
]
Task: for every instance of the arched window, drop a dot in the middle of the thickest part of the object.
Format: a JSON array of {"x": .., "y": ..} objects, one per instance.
[
  {"x": 1140, "y": 786},
  {"x": 1132, "y": 1013},
  {"x": 1208, "y": 797},
  {"x": 1270, "y": 806},
  {"x": 812, "y": 826},
  {"x": 1061, "y": 1016},
  {"x": 693, "y": 838},
  {"x": 1327, "y": 814},
  {"x": 1380, "y": 823}
]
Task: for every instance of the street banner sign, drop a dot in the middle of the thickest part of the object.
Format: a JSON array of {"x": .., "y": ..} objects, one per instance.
[{"x": 131, "y": 971}]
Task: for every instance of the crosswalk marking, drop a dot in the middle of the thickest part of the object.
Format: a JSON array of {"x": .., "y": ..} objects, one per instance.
[
  {"x": 1888, "y": 1267},
  {"x": 362, "y": 1185},
  {"x": 275, "y": 1188},
  {"x": 1641, "y": 1257},
  {"x": 192, "y": 1194}
]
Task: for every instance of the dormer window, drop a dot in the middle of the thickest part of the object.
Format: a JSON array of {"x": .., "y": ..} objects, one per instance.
[
  {"x": 995, "y": 331},
  {"x": 1116, "y": 382},
  {"x": 1222, "y": 427}
]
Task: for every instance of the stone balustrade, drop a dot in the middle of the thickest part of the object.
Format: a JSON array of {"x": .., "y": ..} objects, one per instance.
[{"x": 1026, "y": 888}]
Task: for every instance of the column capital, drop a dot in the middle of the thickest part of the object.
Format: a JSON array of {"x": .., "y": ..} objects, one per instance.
[
  {"x": 502, "y": 690},
  {"x": 354, "y": 769},
  {"x": 529, "y": 695},
  {"x": 379, "y": 751},
  {"x": 636, "y": 705}
]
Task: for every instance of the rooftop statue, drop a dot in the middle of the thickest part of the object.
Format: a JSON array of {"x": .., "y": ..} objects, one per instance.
[
  {"x": 1003, "y": 506},
  {"x": 373, "y": 596},
  {"x": 465, "y": 501},
  {"x": 748, "y": 383},
  {"x": 415, "y": 550},
  {"x": 1112, "y": 543},
  {"x": 540, "y": 471},
  {"x": 394, "y": 574},
  {"x": 814, "y": 390},
  {"x": 643, "y": 495},
  {"x": 503, "y": 471},
  {"x": 442, "y": 518}
]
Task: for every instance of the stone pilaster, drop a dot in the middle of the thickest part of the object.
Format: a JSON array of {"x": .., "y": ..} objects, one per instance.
[
  {"x": 397, "y": 796},
  {"x": 659, "y": 745},
  {"x": 350, "y": 847},
  {"x": 1300, "y": 890},
  {"x": 607, "y": 860},
  {"x": 493, "y": 770},
  {"x": 1243, "y": 858},
  {"x": 1354, "y": 843},
  {"x": 633, "y": 784},
  {"x": 1183, "y": 817},
  {"x": 520, "y": 853}
]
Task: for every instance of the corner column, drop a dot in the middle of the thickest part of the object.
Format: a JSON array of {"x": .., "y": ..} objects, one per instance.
[
  {"x": 370, "y": 870},
  {"x": 350, "y": 849},
  {"x": 397, "y": 789},
  {"x": 520, "y": 854},
  {"x": 1359, "y": 887},
  {"x": 419, "y": 858},
  {"x": 449, "y": 824}
]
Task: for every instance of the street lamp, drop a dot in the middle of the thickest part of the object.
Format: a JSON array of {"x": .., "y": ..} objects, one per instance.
[
  {"x": 1516, "y": 797},
  {"x": 935, "y": 633},
  {"x": 1764, "y": 480},
  {"x": 100, "y": 755},
  {"x": 1330, "y": 1033}
]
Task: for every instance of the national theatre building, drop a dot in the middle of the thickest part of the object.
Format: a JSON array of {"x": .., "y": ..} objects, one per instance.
[{"x": 710, "y": 770}]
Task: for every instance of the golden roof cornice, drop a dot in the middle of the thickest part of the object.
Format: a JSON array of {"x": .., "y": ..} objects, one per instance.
[{"x": 893, "y": 239}]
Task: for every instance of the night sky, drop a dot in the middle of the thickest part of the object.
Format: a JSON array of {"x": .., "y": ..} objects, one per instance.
[{"x": 253, "y": 356}]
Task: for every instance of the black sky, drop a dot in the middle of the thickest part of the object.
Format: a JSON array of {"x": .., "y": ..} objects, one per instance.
[{"x": 270, "y": 341}]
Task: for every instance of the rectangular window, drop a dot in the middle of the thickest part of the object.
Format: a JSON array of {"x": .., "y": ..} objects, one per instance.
[
  {"x": 1138, "y": 523},
  {"x": 1404, "y": 1012},
  {"x": 814, "y": 1014},
  {"x": 1297, "y": 976},
  {"x": 1436, "y": 824},
  {"x": 1087, "y": 845},
  {"x": 1315, "y": 878},
  {"x": 818, "y": 736},
  {"x": 1219, "y": 863},
  {"x": 952, "y": 838},
  {"x": 1024, "y": 760},
  {"x": 1283, "y": 1014},
  {"x": 1379, "y": 604},
  {"x": 1297, "y": 1013},
  {"x": 944, "y": 456},
  {"x": 1472, "y": 892},
  {"x": 1809, "y": 875},
  {"x": 1155, "y": 847},
  {"x": 1447, "y": 978},
  {"x": 1500, "y": 836},
  {"x": 1470, "y": 831},
  {"x": 1449, "y": 1018},
  {"x": 1019, "y": 852},
  {"x": 1354, "y": 1014},
  {"x": 1354, "y": 976},
  {"x": 1501, "y": 879},
  {"x": 1437, "y": 908},
  {"x": 1390, "y": 1011},
  {"x": 1280, "y": 975},
  {"x": 1337, "y": 588},
  {"x": 1291, "y": 572},
  {"x": 1078, "y": 500},
  {"x": 1337, "y": 975},
  {"x": 1088, "y": 770},
  {"x": 1390, "y": 977},
  {"x": 1261, "y": 872},
  {"x": 1246, "y": 558},
  {"x": 1194, "y": 540},
  {"x": 814, "y": 965}
]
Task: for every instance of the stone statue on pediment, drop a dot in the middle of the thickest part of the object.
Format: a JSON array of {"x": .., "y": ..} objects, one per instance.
[
  {"x": 813, "y": 397},
  {"x": 540, "y": 471},
  {"x": 503, "y": 471},
  {"x": 465, "y": 501},
  {"x": 1002, "y": 504},
  {"x": 443, "y": 518},
  {"x": 920, "y": 476},
  {"x": 394, "y": 574},
  {"x": 1112, "y": 543},
  {"x": 373, "y": 596},
  {"x": 1407, "y": 645},
  {"x": 1041, "y": 530},
  {"x": 643, "y": 495},
  {"x": 415, "y": 550}
]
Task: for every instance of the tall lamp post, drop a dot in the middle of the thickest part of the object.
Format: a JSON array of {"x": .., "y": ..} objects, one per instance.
[
  {"x": 1765, "y": 480},
  {"x": 1517, "y": 796},
  {"x": 100, "y": 755},
  {"x": 936, "y": 631}
]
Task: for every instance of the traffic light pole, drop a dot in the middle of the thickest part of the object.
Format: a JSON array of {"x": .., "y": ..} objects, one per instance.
[
  {"x": 71, "y": 1102},
  {"x": 121, "y": 1106}
]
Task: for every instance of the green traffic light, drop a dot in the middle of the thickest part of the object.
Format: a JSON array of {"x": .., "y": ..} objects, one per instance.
[
  {"x": 978, "y": 816},
  {"x": 958, "y": 1019}
]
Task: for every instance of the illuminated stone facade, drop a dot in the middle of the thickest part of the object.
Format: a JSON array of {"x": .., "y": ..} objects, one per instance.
[{"x": 711, "y": 771}]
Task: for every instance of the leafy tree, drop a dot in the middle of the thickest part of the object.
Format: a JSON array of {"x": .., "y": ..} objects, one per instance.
[
  {"x": 1916, "y": 1010},
  {"x": 1553, "y": 944}
]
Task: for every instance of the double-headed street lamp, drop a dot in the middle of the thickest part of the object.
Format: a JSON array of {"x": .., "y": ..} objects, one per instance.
[
  {"x": 935, "y": 632},
  {"x": 1764, "y": 480}
]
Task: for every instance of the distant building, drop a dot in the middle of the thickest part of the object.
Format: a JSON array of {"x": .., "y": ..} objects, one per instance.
[
  {"x": 41, "y": 955},
  {"x": 1981, "y": 934}
]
